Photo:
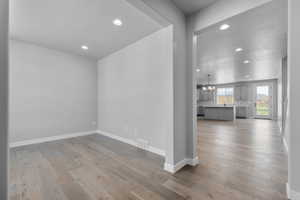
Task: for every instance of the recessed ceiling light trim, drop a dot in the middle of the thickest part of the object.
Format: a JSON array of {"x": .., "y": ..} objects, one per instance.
[
  {"x": 224, "y": 27},
  {"x": 246, "y": 62},
  {"x": 84, "y": 47},
  {"x": 239, "y": 49},
  {"x": 117, "y": 22}
]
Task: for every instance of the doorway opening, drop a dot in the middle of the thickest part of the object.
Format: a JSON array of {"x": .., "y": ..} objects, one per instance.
[
  {"x": 241, "y": 107},
  {"x": 263, "y": 101}
]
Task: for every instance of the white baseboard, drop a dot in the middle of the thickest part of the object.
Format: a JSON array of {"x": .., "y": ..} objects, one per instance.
[
  {"x": 174, "y": 168},
  {"x": 292, "y": 195},
  {"x": 49, "y": 139},
  {"x": 133, "y": 143},
  {"x": 286, "y": 146},
  {"x": 193, "y": 162}
]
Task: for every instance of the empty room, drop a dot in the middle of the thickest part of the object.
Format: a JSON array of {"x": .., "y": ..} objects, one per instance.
[
  {"x": 149, "y": 99},
  {"x": 90, "y": 85}
]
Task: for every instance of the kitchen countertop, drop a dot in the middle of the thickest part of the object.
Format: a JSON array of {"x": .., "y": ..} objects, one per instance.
[{"x": 219, "y": 106}]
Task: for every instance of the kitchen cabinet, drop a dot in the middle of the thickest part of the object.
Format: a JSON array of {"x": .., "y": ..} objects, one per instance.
[
  {"x": 242, "y": 111},
  {"x": 241, "y": 93},
  {"x": 226, "y": 113},
  {"x": 206, "y": 96}
]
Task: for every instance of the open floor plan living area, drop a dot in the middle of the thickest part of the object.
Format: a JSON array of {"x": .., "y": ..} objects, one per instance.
[{"x": 149, "y": 100}]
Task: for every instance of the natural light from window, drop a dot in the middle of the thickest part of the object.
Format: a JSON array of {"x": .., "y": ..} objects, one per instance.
[{"x": 225, "y": 96}]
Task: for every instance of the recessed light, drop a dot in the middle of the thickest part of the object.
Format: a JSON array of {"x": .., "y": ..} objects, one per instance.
[
  {"x": 238, "y": 49},
  {"x": 246, "y": 62},
  {"x": 198, "y": 70},
  {"x": 224, "y": 27},
  {"x": 117, "y": 22},
  {"x": 84, "y": 47}
]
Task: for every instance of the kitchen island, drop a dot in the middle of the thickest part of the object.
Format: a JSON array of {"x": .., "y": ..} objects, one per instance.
[{"x": 220, "y": 112}]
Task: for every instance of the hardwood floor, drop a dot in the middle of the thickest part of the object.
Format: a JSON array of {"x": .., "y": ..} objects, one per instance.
[{"x": 240, "y": 160}]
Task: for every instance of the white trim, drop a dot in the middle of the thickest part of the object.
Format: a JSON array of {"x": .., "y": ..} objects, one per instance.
[
  {"x": 288, "y": 191},
  {"x": 49, "y": 139},
  {"x": 286, "y": 146},
  {"x": 174, "y": 168},
  {"x": 133, "y": 143},
  {"x": 292, "y": 195},
  {"x": 193, "y": 162}
]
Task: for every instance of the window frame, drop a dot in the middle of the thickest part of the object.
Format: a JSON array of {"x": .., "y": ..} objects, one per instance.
[{"x": 225, "y": 87}]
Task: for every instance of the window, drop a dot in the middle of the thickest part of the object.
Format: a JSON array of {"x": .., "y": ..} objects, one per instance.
[{"x": 225, "y": 96}]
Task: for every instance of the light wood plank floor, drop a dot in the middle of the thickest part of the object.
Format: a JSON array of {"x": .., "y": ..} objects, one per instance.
[{"x": 240, "y": 160}]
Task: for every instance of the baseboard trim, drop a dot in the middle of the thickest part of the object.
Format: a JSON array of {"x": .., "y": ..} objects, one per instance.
[
  {"x": 286, "y": 146},
  {"x": 175, "y": 168},
  {"x": 193, "y": 162},
  {"x": 133, "y": 143},
  {"x": 50, "y": 139},
  {"x": 288, "y": 191},
  {"x": 292, "y": 195}
]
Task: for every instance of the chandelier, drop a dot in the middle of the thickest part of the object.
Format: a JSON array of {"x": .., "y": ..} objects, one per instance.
[{"x": 208, "y": 86}]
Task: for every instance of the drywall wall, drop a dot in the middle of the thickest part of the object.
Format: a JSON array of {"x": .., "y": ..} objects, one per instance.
[
  {"x": 51, "y": 93},
  {"x": 135, "y": 90},
  {"x": 279, "y": 97},
  {"x": 3, "y": 99},
  {"x": 213, "y": 14},
  {"x": 165, "y": 12},
  {"x": 169, "y": 11},
  {"x": 294, "y": 98},
  {"x": 284, "y": 97}
]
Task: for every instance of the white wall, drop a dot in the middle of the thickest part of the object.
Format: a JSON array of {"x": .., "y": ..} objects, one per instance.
[
  {"x": 3, "y": 99},
  {"x": 284, "y": 97},
  {"x": 51, "y": 92},
  {"x": 165, "y": 12},
  {"x": 135, "y": 90},
  {"x": 294, "y": 98},
  {"x": 279, "y": 98}
]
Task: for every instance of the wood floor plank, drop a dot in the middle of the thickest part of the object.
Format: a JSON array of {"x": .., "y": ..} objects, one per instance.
[
  {"x": 240, "y": 160},
  {"x": 69, "y": 186},
  {"x": 29, "y": 183}
]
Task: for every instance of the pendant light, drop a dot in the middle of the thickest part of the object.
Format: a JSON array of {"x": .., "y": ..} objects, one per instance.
[{"x": 208, "y": 86}]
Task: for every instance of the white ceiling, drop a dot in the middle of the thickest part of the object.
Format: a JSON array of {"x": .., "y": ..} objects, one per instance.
[
  {"x": 261, "y": 32},
  {"x": 67, "y": 24},
  {"x": 191, "y": 6}
]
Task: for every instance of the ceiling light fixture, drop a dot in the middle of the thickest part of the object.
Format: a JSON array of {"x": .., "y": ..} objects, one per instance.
[
  {"x": 198, "y": 70},
  {"x": 224, "y": 27},
  {"x": 246, "y": 62},
  {"x": 238, "y": 49},
  {"x": 208, "y": 86},
  {"x": 117, "y": 22},
  {"x": 84, "y": 47}
]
